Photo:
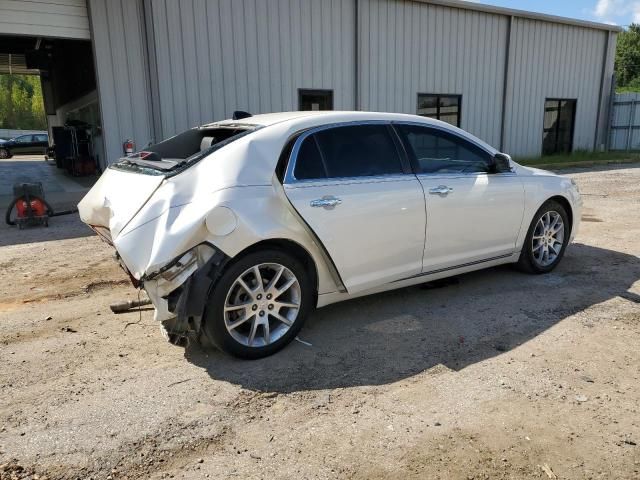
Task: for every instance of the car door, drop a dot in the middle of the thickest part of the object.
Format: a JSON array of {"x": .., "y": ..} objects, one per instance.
[
  {"x": 23, "y": 145},
  {"x": 40, "y": 144},
  {"x": 473, "y": 214},
  {"x": 356, "y": 192}
]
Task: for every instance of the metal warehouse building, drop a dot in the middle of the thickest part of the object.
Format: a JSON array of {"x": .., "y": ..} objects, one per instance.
[{"x": 146, "y": 69}]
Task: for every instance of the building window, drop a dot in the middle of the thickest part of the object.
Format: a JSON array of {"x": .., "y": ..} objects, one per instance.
[
  {"x": 441, "y": 107},
  {"x": 315, "y": 99},
  {"x": 559, "y": 120}
]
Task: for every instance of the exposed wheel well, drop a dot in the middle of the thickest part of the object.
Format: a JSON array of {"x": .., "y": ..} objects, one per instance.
[
  {"x": 567, "y": 206},
  {"x": 290, "y": 247}
]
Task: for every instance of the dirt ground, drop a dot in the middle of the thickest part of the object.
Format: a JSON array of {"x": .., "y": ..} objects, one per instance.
[{"x": 496, "y": 375}]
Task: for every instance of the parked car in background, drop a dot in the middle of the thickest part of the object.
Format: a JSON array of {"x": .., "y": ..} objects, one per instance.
[
  {"x": 30, "y": 144},
  {"x": 238, "y": 229}
]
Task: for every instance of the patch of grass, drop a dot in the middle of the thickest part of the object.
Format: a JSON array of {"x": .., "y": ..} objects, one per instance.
[{"x": 580, "y": 157}]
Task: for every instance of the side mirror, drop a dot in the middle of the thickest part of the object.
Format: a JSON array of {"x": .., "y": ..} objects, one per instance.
[{"x": 502, "y": 163}]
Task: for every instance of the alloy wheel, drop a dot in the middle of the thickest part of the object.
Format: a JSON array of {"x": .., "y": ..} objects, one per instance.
[
  {"x": 262, "y": 304},
  {"x": 548, "y": 238}
]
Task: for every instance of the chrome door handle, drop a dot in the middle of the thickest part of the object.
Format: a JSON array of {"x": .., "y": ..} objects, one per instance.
[
  {"x": 440, "y": 190},
  {"x": 328, "y": 202}
]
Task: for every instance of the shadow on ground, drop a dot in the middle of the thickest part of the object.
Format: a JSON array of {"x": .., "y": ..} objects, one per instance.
[{"x": 392, "y": 336}]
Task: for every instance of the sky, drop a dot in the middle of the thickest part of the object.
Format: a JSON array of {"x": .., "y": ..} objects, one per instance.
[{"x": 619, "y": 12}]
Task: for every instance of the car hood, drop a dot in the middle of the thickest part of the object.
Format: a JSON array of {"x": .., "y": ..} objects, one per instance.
[{"x": 522, "y": 170}]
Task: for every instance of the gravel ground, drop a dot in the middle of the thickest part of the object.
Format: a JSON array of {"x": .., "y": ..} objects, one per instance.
[{"x": 495, "y": 375}]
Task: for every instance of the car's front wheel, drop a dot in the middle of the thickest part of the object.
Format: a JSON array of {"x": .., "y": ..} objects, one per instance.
[
  {"x": 259, "y": 304},
  {"x": 4, "y": 153},
  {"x": 546, "y": 240}
]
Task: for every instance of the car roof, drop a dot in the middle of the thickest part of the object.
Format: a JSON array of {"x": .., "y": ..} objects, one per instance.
[
  {"x": 267, "y": 119},
  {"x": 295, "y": 120}
]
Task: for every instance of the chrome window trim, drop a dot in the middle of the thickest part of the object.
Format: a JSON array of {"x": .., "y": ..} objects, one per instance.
[
  {"x": 321, "y": 182},
  {"x": 465, "y": 175},
  {"x": 446, "y": 130},
  {"x": 290, "y": 179}
]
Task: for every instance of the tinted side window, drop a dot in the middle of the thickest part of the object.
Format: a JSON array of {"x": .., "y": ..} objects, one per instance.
[
  {"x": 309, "y": 162},
  {"x": 436, "y": 151},
  {"x": 24, "y": 139},
  {"x": 40, "y": 138},
  {"x": 358, "y": 151}
]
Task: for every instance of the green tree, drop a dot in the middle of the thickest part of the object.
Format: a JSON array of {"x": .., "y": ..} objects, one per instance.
[
  {"x": 21, "y": 103},
  {"x": 628, "y": 56}
]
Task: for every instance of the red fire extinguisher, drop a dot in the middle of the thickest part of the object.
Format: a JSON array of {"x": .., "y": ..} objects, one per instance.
[{"x": 128, "y": 146}]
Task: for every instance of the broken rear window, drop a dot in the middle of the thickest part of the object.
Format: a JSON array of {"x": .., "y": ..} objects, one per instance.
[{"x": 180, "y": 152}]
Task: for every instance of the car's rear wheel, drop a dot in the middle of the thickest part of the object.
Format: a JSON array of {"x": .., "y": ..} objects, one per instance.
[
  {"x": 546, "y": 240},
  {"x": 259, "y": 304},
  {"x": 4, "y": 153}
]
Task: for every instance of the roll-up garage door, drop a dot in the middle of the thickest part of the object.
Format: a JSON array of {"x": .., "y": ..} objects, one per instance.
[{"x": 45, "y": 18}]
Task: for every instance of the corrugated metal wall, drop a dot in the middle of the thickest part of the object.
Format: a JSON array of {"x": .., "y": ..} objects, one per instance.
[
  {"x": 408, "y": 48},
  {"x": 168, "y": 65},
  {"x": 608, "y": 95},
  {"x": 45, "y": 18},
  {"x": 217, "y": 56},
  {"x": 549, "y": 60},
  {"x": 122, "y": 73}
]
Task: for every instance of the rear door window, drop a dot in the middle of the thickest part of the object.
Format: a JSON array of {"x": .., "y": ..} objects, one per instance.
[
  {"x": 309, "y": 164},
  {"x": 348, "y": 151}
]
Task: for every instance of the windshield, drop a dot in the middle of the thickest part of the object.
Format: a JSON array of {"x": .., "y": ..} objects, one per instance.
[{"x": 178, "y": 153}]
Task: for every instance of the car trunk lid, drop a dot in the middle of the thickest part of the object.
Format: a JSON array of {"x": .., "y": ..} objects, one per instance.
[{"x": 116, "y": 198}]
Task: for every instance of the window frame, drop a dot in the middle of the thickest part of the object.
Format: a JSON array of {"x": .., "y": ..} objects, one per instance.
[
  {"x": 315, "y": 91},
  {"x": 30, "y": 135},
  {"x": 437, "y": 96},
  {"x": 289, "y": 176},
  {"x": 414, "y": 161}
]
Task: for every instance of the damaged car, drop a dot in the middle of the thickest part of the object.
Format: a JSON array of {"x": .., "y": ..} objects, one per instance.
[{"x": 239, "y": 229}]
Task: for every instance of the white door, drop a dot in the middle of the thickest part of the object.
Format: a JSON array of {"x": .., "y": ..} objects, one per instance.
[
  {"x": 473, "y": 214},
  {"x": 350, "y": 185}
]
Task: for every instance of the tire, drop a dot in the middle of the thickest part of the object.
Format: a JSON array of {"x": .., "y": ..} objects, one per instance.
[
  {"x": 532, "y": 258},
  {"x": 4, "y": 153},
  {"x": 265, "y": 316}
]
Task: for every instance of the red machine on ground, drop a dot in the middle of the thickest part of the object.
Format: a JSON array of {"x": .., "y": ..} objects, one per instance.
[{"x": 31, "y": 207}]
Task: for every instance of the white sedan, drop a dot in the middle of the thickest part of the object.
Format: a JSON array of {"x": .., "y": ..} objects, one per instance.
[{"x": 238, "y": 229}]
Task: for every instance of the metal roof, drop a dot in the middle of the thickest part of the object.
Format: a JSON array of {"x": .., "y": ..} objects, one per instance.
[{"x": 510, "y": 12}]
